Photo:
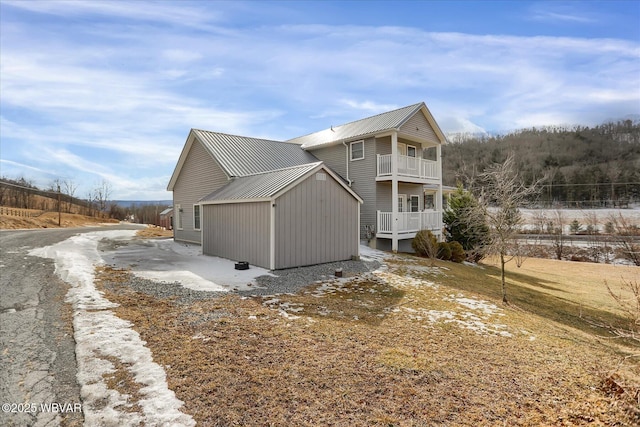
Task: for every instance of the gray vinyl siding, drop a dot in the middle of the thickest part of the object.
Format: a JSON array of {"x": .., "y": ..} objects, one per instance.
[
  {"x": 383, "y": 191},
  {"x": 362, "y": 174},
  {"x": 383, "y": 197},
  {"x": 363, "y": 181},
  {"x": 316, "y": 222},
  {"x": 334, "y": 157},
  {"x": 383, "y": 145},
  {"x": 200, "y": 175},
  {"x": 418, "y": 126},
  {"x": 238, "y": 231},
  {"x": 415, "y": 144}
]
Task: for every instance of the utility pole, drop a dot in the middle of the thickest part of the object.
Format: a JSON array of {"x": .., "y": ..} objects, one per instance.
[{"x": 59, "y": 207}]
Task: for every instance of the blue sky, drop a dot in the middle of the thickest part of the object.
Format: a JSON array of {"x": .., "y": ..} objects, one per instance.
[{"x": 93, "y": 90}]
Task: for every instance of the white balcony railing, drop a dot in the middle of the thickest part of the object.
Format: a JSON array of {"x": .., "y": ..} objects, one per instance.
[
  {"x": 410, "y": 222},
  {"x": 409, "y": 166}
]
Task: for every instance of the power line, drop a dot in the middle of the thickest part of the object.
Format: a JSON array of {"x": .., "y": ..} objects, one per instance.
[{"x": 591, "y": 184}]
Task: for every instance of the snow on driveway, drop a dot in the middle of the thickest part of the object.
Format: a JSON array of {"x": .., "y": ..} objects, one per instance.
[
  {"x": 100, "y": 335},
  {"x": 165, "y": 260}
]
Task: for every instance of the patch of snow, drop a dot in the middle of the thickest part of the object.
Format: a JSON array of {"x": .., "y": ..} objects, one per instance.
[
  {"x": 166, "y": 260},
  {"x": 286, "y": 315},
  {"x": 99, "y": 333},
  {"x": 199, "y": 336},
  {"x": 474, "y": 304},
  {"x": 370, "y": 254}
]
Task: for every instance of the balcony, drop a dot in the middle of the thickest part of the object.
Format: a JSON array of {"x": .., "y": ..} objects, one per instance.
[
  {"x": 409, "y": 167},
  {"x": 409, "y": 223}
]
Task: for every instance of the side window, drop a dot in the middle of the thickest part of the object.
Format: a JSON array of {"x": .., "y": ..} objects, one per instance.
[
  {"x": 411, "y": 151},
  {"x": 429, "y": 202},
  {"x": 357, "y": 150},
  {"x": 196, "y": 217},
  {"x": 415, "y": 200},
  {"x": 178, "y": 215}
]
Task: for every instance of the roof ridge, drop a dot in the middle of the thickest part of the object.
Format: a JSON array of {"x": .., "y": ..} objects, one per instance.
[
  {"x": 380, "y": 114},
  {"x": 358, "y": 120},
  {"x": 238, "y": 136}
]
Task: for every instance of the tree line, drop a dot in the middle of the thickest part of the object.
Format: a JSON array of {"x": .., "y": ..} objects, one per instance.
[
  {"x": 60, "y": 195},
  {"x": 584, "y": 166}
]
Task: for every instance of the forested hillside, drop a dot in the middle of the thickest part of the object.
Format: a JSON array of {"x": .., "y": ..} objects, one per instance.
[{"x": 587, "y": 167}]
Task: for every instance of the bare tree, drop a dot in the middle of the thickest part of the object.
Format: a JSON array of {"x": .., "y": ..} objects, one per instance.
[
  {"x": 101, "y": 194},
  {"x": 502, "y": 192},
  {"x": 595, "y": 249},
  {"x": 69, "y": 188},
  {"x": 630, "y": 305},
  {"x": 556, "y": 229},
  {"x": 625, "y": 236}
]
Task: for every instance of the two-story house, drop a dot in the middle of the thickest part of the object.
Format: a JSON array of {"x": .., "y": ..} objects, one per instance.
[
  {"x": 311, "y": 199},
  {"x": 393, "y": 161},
  {"x": 265, "y": 202}
]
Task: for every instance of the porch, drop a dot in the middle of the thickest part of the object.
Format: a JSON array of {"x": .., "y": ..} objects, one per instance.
[
  {"x": 408, "y": 166},
  {"x": 409, "y": 223}
]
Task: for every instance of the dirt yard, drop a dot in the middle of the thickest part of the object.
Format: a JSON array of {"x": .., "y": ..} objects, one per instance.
[
  {"x": 408, "y": 345},
  {"x": 153, "y": 231}
]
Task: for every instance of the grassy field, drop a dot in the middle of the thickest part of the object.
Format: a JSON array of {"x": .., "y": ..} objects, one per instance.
[
  {"x": 410, "y": 345},
  {"x": 579, "y": 283}
]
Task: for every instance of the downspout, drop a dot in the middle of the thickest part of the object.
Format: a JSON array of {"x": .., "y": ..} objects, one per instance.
[{"x": 346, "y": 158}]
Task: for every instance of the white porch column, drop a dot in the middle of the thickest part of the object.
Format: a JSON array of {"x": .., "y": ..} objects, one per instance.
[
  {"x": 439, "y": 195},
  {"x": 394, "y": 192},
  {"x": 438, "y": 204}
]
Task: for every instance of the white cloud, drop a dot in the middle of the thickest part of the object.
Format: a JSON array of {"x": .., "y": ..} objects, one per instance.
[
  {"x": 162, "y": 11},
  {"x": 561, "y": 12},
  {"x": 128, "y": 90},
  {"x": 177, "y": 55},
  {"x": 369, "y": 107}
]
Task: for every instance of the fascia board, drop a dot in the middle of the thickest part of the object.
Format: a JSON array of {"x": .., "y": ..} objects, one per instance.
[
  {"x": 183, "y": 157},
  {"x": 231, "y": 201},
  {"x": 433, "y": 123}
]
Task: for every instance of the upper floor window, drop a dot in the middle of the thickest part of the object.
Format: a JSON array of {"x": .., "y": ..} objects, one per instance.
[
  {"x": 357, "y": 150},
  {"x": 411, "y": 151}
]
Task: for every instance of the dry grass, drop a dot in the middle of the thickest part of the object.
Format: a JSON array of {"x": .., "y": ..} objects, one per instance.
[
  {"x": 153, "y": 231},
  {"x": 582, "y": 282},
  {"x": 50, "y": 220},
  {"x": 377, "y": 350}
]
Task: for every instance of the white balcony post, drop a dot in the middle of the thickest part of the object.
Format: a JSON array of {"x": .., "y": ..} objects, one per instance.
[
  {"x": 439, "y": 162},
  {"x": 439, "y": 194},
  {"x": 394, "y": 192}
]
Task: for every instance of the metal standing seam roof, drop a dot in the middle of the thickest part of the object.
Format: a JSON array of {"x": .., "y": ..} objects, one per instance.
[
  {"x": 242, "y": 156},
  {"x": 381, "y": 122},
  {"x": 259, "y": 186}
]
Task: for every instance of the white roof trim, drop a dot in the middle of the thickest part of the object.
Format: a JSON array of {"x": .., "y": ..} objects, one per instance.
[
  {"x": 311, "y": 172},
  {"x": 230, "y": 201},
  {"x": 183, "y": 157}
]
